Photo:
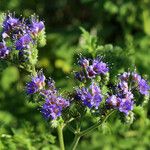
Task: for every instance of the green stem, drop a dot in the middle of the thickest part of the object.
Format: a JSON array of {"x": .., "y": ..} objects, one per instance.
[
  {"x": 71, "y": 128},
  {"x": 60, "y": 136},
  {"x": 88, "y": 130},
  {"x": 75, "y": 142}
]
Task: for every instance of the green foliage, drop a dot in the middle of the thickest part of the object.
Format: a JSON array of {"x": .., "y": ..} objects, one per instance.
[{"x": 9, "y": 76}]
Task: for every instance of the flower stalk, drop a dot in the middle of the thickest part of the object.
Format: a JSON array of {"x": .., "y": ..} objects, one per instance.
[
  {"x": 75, "y": 142},
  {"x": 78, "y": 135},
  {"x": 60, "y": 137}
]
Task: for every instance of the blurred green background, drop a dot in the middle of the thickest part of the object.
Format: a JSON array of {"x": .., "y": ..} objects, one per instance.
[{"x": 123, "y": 23}]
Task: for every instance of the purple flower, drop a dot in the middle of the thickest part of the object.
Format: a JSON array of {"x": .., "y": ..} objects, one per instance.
[
  {"x": 123, "y": 100},
  {"x": 53, "y": 106},
  {"x": 90, "y": 72},
  {"x": 100, "y": 67},
  {"x": 96, "y": 68},
  {"x": 4, "y": 51},
  {"x": 125, "y": 76},
  {"x": 91, "y": 68},
  {"x": 90, "y": 97},
  {"x": 36, "y": 26},
  {"x": 113, "y": 101},
  {"x": 51, "y": 111},
  {"x": 62, "y": 102},
  {"x": 144, "y": 87},
  {"x": 23, "y": 42},
  {"x": 128, "y": 95},
  {"x": 54, "y": 103},
  {"x": 10, "y": 23},
  {"x": 123, "y": 85},
  {"x": 136, "y": 77},
  {"x": 126, "y": 106},
  {"x": 80, "y": 76},
  {"x": 13, "y": 27},
  {"x": 37, "y": 83},
  {"x": 84, "y": 62},
  {"x": 31, "y": 88}
]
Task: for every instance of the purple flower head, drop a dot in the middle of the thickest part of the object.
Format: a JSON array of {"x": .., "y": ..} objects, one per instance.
[
  {"x": 113, "y": 101},
  {"x": 122, "y": 104},
  {"x": 144, "y": 87},
  {"x": 126, "y": 106},
  {"x": 91, "y": 68},
  {"x": 31, "y": 87},
  {"x": 84, "y": 62},
  {"x": 23, "y": 42},
  {"x": 123, "y": 86},
  {"x": 36, "y": 26},
  {"x": 46, "y": 93},
  {"x": 13, "y": 27},
  {"x": 100, "y": 67},
  {"x": 49, "y": 93},
  {"x": 37, "y": 83},
  {"x": 90, "y": 97},
  {"x": 90, "y": 72},
  {"x": 10, "y": 23},
  {"x": 125, "y": 76},
  {"x": 128, "y": 95},
  {"x": 51, "y": 111},
  {"x": 62, "y": 102},
  {"x": 80, "y": 76},
  {"x": 96, "y": 93},
  {"x": 136, "y": 77},
  {"x": 4, "y": 51},
  {"x": 53, "y": 106}
]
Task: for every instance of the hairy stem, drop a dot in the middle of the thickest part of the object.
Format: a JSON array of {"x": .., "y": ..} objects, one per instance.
[{"x": 60, "y": 136}]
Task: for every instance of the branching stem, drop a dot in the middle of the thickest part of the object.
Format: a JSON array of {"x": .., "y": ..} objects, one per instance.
[{"x": 78, "y": 135}]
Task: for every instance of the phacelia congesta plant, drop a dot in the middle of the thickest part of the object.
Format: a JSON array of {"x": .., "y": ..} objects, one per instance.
[
  {"x": 94, "y": 94},
  {"x": 20, "y": 38}
]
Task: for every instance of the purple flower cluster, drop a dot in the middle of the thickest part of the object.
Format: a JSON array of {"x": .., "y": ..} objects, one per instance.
[
  {"x": 54, "y": 103},
  {"x": 123, "y": 100},
  {"x": 36, "y": 27},
  {"x": 90, "y": 97},
  {"x": 91, "y": 68},
  {"x": 21, "y": 32},
  {"x": 136, "y": 82},
  {"x": 53, "y": 106}
]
